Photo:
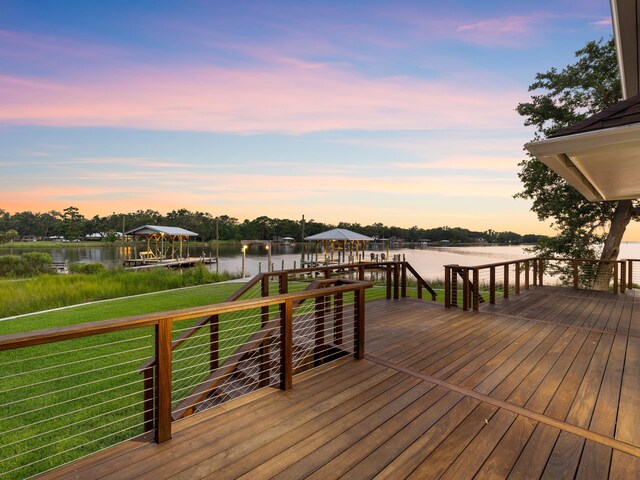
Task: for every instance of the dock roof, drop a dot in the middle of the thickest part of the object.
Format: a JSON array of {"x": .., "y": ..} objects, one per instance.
[
  {"x": 340, "y": 234},
  {"x": 159, "y": 229}
]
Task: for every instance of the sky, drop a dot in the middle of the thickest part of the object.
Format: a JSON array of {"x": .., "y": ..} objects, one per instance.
[{"x": 370, "y": 111}]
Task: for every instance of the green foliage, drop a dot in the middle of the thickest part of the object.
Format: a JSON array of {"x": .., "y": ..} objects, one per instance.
[
  {"x": 11, "y": 235},
  {"x": 25, "y": 265},
  {"x": 111, "y": 236},
  {"x": 563, "y": 98},
  {"x": 87, "y": 268},
  {"x": 38, "y": 262}
]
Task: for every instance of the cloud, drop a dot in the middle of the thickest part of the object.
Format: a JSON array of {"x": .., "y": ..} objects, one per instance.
[
  {"x": 280, "y": 100},
  {"x": 604, "y": 23},
  {"x": 508, "y": 31}
]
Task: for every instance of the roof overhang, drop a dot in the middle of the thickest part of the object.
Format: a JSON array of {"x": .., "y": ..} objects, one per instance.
[
  {"x": 601, "y": 165},
  {"x": 625, "y": 16}
]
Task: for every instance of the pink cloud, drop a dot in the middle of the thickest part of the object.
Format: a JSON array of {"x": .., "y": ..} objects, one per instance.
[
  {"x": 499, "y": 31},
  {"x": 604, "y": 23},
  {"x": 293, "y": 99}
]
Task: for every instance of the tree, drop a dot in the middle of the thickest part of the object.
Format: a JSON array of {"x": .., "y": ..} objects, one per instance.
[
  {"x": 11, "y": 235},
  {"x": 73, "y": 222},
  {"x": 562, "y": 98}
]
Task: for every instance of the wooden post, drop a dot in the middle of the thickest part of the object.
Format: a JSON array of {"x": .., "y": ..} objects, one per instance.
[
  {"x": 517, "y": 278},
  {"x": 465, "y": 289},
  {"x": 526, "y": 274},
  {"x": 327, "y": 273},
  {"x": 630, "y": 275},
  {"x": 476, "y": 289},
  {"x": 615, "y": 277},
  {"x": 575, "y": 274},
  {"x": 337, "y": 318},
  {"x": 283, "y": 283},
  {"x": 623, "y": 276},
  {"x": 396, "y": 281},
  {"x": 535, "y": 272},
  {"x": 147, "y": 386},
  {"x": 403, "y": 287},
  {"x": 505, "y": 287},
  {"x": 492, "y": 285},
  {"x": 388, "y": 281},
  {"x": 541, "y": 272},
  {"x": 319, "y": 330},
  {"x": 163, "y": 380},
  {"x": 214, "y": 342},
  {"x": 447, "y": 287},
  {"x": 286, "y": 345},
  {"x": 358, "y": 325},
  {"x": 361, "y": 273},
  {"x": 454, "y": 286}
]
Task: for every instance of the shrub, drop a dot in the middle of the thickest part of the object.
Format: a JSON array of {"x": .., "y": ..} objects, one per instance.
[
  {"x": 13, "y": 266},
  {"x": 37, "y": 262},
  {"x": 87, "y": 268}
]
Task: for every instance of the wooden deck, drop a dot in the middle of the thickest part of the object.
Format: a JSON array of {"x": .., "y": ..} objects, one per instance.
[{"x": 543, "y": 385}]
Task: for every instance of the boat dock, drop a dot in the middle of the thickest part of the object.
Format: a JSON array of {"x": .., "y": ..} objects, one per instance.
[{"x": 140, "y": 264}]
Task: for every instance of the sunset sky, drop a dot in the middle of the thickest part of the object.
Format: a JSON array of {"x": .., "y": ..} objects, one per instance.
[{"x": 359, "y": 111}]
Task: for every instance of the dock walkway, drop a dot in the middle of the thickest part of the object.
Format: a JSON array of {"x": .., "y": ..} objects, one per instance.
[{"x": 543, "y": 385}]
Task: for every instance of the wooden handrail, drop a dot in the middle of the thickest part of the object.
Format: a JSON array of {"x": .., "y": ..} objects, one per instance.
[
  {"x": 51, "y": 335},
  {"x": 421, "y": 281}
]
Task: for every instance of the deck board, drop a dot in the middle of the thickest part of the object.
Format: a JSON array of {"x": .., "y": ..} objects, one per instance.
[{"x": 541, "y": 385}]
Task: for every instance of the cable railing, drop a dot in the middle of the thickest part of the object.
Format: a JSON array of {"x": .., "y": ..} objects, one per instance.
[
  {"x": 70, "y": 391},
  {"x": 468, "y": 287}
]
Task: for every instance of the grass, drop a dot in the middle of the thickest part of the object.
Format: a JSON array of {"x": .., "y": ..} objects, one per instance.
[{"x": 53, "y": 291}]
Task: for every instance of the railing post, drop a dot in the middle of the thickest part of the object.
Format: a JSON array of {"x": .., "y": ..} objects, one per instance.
[
  {"x": 476, "y": 289},
  {"x": 396, "y": 281},
  {"x": 403, "y": 286},
  {"x": 517, "y": 278},
  {"x": 214, "y": 342},
  {"x": 361, "y": 273},
  {"x": 492, "y": 285},
  {"x": 623, "y": 276},
  {"x": 447, "y": 287},
  {"x": 419, "y": 289},
  {"x": 615, "y": 277},
  {"x": 147, "y": 385},
  {"x": 535, "y": 272},
  {"x": 526, "y": 274},
  {"x": 454, "y": 286},
  {"x": 163, "y": 380},
  {"x": 319, "y": 330},
  {"x": 286, "y": 345},
  {"x": 388, "y": 281},
  {"x": 283, "y": 283},
  {"x": 358, "y": 323},
  {"x": 465, "y": 289},
  {"x": 337, "y": 316},
  {"x": 505, "y": 287},
  {"x": 327, "y": 273},
  {"x": 630, "y": 274},
  {"x": 541, "y": 272},
  {"x": 575, "y": 273}
]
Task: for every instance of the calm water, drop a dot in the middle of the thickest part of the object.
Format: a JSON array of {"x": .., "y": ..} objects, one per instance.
[{"x": 428, "y": 261}]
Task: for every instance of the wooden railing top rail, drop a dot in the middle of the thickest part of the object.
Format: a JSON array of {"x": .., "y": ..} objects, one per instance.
[
  {"x": 489, "y": 265},
  {"x": 529, "y": 259},
  {"x": 323, "y": 268},
  {"x": 51, "y": 335}
]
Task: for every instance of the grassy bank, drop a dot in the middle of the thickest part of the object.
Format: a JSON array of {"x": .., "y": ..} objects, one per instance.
[{"x": 53, "y": 291}]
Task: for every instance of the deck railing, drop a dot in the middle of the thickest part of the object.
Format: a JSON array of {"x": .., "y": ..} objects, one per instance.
[
  {"x": 469, "y": 287},
  {"x": 69, "y": 391}
]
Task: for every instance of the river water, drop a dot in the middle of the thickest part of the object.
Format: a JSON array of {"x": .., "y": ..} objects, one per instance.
[{"x": 428, "y": 261}]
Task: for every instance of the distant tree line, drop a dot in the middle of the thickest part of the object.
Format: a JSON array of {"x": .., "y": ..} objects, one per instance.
[{"x": 72, "y": 225}]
